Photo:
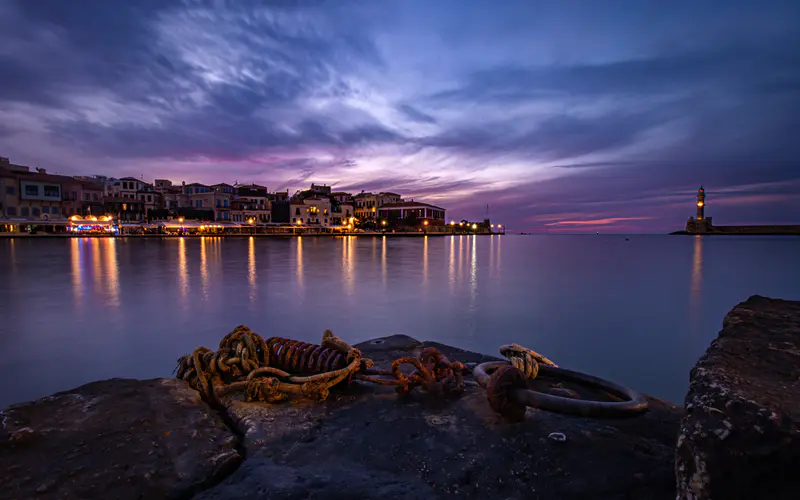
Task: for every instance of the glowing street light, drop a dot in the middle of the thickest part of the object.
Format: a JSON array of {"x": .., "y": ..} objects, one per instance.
[
  {"x": 383, "y": 222},
  {"x": 452, "y": 223},
  {"x": 424, "y": 223},
  {"x": 460, "y": 223},
  {"x": 180, "y": 219},
  {"x": 499, "y": 225},
  {"x": 250, "y": 220},
  {"x": 474, "y": 226}
]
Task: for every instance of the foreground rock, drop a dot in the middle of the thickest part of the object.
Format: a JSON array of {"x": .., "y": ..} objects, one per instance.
[
  {"x": 116, "y": 439},
  {"x": 741, "y": 435},
  {"x": 366, "y": 442},
  {"x": 156, "y": 439}
]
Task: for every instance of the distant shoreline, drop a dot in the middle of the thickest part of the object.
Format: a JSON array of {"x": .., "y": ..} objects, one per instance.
[{"x": 256, "y": 235}]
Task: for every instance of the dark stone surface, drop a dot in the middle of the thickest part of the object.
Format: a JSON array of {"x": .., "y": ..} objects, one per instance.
[
  {"x": 367, "y": 442},
  {"x": 115, "y": 439},
  {"x": 740, "y": 436}
]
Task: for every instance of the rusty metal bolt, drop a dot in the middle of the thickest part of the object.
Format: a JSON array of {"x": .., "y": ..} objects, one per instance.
[{"x": 498, "y": 392}]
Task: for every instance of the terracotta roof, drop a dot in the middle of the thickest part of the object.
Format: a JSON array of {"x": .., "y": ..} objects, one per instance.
[{"x": 410, "y": 204}]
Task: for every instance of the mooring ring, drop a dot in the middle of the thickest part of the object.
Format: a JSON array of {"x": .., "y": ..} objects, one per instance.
[{"x": 633, "y": 404}]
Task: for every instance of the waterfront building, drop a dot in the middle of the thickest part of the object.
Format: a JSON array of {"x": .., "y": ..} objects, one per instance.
[
  {"x": 341, "y": 214},
  {"x": 413, "y": 211},
  {"x": 320, "y": 189},
  {"x": 127, "y": 187},
  {"x": 30, "y": 196},
  {"x": 252, "y": 201},
  {"x": 342, "y": 197},
  {"x": 224, "y": 188},
  {"x": 313, "y": 211},
  {"x": 124, "y": 209},
  {"x": 82, "y": 197},
  {"x": 151, "y": 199},
  {"x": 366, "y": 206},
  {"x": 245, "y": 211},
  {"x": 385, "y": 198},
  {"x": 279, "y": 196},
  {"x": 207, "y": 203}
]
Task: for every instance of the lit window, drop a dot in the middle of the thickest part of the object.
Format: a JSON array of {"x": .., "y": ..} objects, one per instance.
[{"x": 32, "y": 190}]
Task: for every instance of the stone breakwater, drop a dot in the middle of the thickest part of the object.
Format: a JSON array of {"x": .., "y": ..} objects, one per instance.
[{"x": 157, "y": 439}]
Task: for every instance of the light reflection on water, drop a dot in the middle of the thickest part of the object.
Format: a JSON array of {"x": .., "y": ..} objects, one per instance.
[
  {"x": 639, "y": 312},
  {"x": 251, "y": 267}
]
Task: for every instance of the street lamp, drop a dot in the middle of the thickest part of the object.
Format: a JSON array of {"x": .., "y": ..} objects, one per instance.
[{"x": 425, "y": 223}]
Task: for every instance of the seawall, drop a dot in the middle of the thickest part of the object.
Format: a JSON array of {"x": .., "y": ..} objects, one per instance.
[{"x": 747, "y": 230}]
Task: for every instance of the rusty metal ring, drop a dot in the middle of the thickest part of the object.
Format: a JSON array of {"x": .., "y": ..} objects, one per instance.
[{"x": 634, "y": 403}]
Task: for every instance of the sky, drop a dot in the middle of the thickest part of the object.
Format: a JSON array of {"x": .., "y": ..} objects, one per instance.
[{"x": 561, "y": 116}]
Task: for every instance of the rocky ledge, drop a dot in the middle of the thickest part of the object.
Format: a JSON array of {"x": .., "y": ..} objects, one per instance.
[
  {"x": 131, "y": 439},
  {"x": 741, "y": 434}
]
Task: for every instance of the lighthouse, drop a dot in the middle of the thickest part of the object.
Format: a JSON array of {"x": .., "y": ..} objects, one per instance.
[{"x": 701, "y": 203}]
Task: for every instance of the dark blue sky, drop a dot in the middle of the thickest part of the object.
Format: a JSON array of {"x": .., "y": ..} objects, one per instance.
[{"x": 562, "y": 115}]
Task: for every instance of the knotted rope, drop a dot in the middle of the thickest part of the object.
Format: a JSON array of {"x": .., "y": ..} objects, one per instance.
[
  {"x": 524, "y": 359},
  {"x": 432, "y": 371}
]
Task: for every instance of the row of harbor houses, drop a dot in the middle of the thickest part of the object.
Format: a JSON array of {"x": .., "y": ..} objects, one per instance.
[{"x": 35, "y": 197}]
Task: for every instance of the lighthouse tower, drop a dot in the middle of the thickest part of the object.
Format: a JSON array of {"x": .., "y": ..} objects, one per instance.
[{"x": 701, "y": 203}]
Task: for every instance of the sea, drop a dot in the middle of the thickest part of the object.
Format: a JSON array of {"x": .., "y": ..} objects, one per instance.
[{"x": 638, "y": 310}]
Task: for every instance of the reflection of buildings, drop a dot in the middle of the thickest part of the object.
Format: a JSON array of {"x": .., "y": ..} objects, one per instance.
[{"x": 703, "y": 225}]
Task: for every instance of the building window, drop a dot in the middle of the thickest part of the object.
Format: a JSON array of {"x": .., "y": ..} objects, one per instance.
[
  {"x": 32, "y": 190},
  {"x": 94, "y": 196},
  {"x": 36, "y": 212},
  {"x": 149, "y": 198},
  {"x": 54, "y": 210},
  {"x": 225, "y": 203},
  {"x": 10, "y": 190},
  {"x": 326, "y": 221},
  {"x": 25, "y": 211},
  {"x": 86, "y": 196},
  {"x": 74, "y": 195},
  {"x": 198, "y": 203},
  {"x": 45, "y": 209},
  {"x": 11, "y": 210},
  {"x": 219, "y": 203},
  {"x": 297, "y": 211},
  {"x": 294, "y": 219}
]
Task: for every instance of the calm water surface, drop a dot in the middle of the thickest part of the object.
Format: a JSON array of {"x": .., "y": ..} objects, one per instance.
[{"x": 639, "y": 312}]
